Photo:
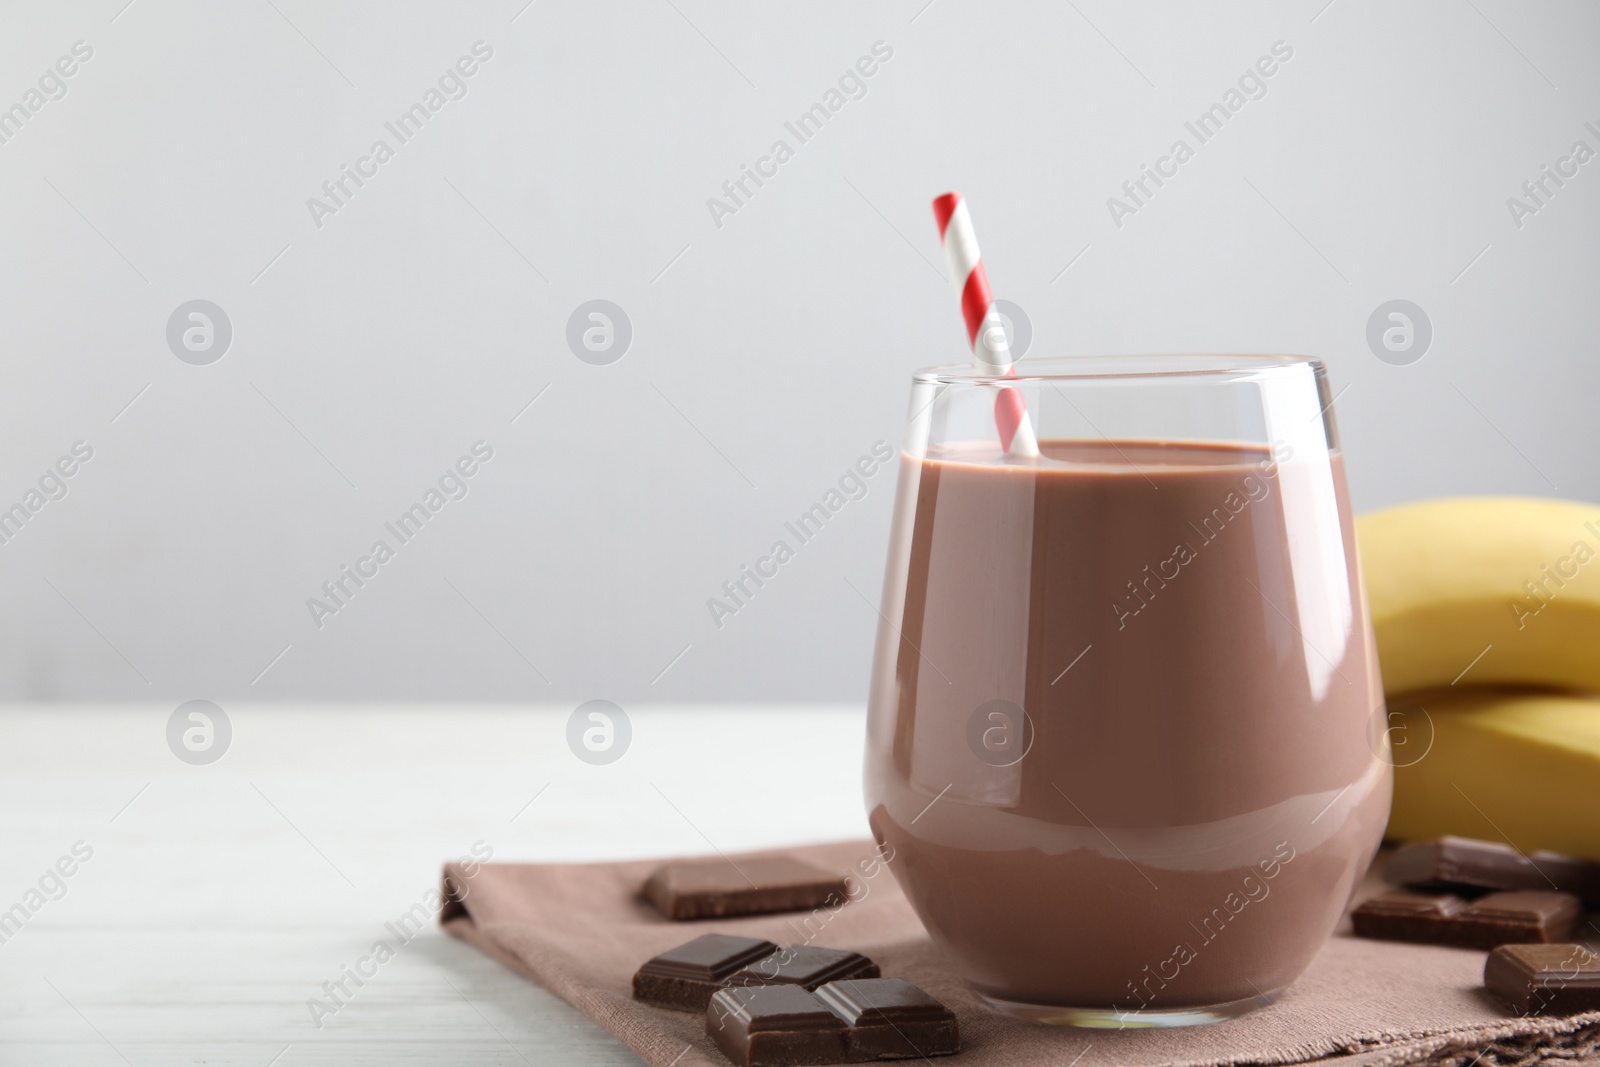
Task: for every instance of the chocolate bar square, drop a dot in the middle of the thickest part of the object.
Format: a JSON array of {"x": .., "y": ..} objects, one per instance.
[
  {"x": 1448, "y": 862},
  {"x": 889, "y": 1018},
  {"x": 806, "y": 966},
  {"x": 717, "y": 889},
  {"x": 774, "y": 1026},
  {"x": 686, "y": 976},
  {"x": 1408, "y": 917},
  {"x": 1529, "y": 916},
  {"x": 1446, "y": 919},
  {"x": 1549, "y": 979},
  {"x": 852, "y": 1021}
]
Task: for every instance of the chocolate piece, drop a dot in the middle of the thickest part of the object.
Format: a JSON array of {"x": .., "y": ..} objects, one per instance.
[
  {"x": 717, "y": 889},
  {"x": 1526, "y": 917},
  {"x": 842, "y": 1022},
  {"x": 805, "y": 966},
  {"x": 1552, "y": 979},
  {"x": 1408, "y": 916},
  {"x": 686, "y": 976},
  {"x": 774, "y": 1026},
  {"x": 1463, "y": 862},
  {"x": 1446, "y": 919},
  {"x": 889, "y": 1018}
]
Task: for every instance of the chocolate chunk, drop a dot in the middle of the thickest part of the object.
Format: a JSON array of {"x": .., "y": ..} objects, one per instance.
[
  {"x": 1527, "y": 917},
  {"x": 686, "y": 976},
  {"x": 805, "y": 966},
  {"x": 1446, "y": 919},
  {"x": 1408, "y": 916},
  {"x": 774, "y": 1026},
  {"x": 889, "y": 1018},
  {"x": 717, "y": 889},
  {"x": 842, "y": 1022},
  {"x": 1550, "y": 979},
  {"x": 1462, "y": 862}
]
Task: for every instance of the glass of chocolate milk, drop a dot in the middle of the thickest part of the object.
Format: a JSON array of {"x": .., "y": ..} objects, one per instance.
[{"x": 1126, "y": 735}]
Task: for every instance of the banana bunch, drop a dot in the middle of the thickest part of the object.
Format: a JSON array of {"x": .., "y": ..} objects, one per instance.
[{"x": 1486, "y": 612}]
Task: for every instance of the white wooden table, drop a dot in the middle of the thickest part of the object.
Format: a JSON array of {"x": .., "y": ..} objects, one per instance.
[{"x": 219, "y": 899}]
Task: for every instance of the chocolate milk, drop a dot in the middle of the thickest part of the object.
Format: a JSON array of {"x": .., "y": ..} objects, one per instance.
[{"x": 1200, "y": 777}]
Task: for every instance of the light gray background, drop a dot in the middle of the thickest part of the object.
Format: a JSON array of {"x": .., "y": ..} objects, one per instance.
[{"x": 768, "y": 354}]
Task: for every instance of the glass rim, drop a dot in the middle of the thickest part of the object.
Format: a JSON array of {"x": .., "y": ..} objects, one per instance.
[{"x": 1108, "y": 367}]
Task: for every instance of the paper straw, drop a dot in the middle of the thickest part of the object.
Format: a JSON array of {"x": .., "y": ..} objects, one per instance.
[{"x": 985, "y": 332}]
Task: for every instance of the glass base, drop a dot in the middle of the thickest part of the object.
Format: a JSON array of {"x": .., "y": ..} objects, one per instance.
[{"x": 1135, "y": 1019}]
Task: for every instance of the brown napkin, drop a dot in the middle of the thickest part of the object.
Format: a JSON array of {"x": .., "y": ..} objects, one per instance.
[{"x": 581, "y": 930}]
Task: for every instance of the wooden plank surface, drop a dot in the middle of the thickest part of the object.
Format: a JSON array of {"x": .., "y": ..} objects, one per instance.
[{"x": 218, "y": 899}]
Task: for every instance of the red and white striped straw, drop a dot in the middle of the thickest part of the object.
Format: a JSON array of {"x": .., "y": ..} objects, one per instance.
[{"x": 985, "y": 332}]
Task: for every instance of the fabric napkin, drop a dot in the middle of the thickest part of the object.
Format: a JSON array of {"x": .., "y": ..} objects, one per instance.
[{"x": 581, "y": 930}]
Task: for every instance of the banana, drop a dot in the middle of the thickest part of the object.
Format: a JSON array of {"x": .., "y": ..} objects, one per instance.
[
  {"x": 1485, "y": 590},
  {"x": 1502, "y": 765}
]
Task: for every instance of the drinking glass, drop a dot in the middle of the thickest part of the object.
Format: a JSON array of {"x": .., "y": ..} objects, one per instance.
[{"x": 1126, "y": 731}]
